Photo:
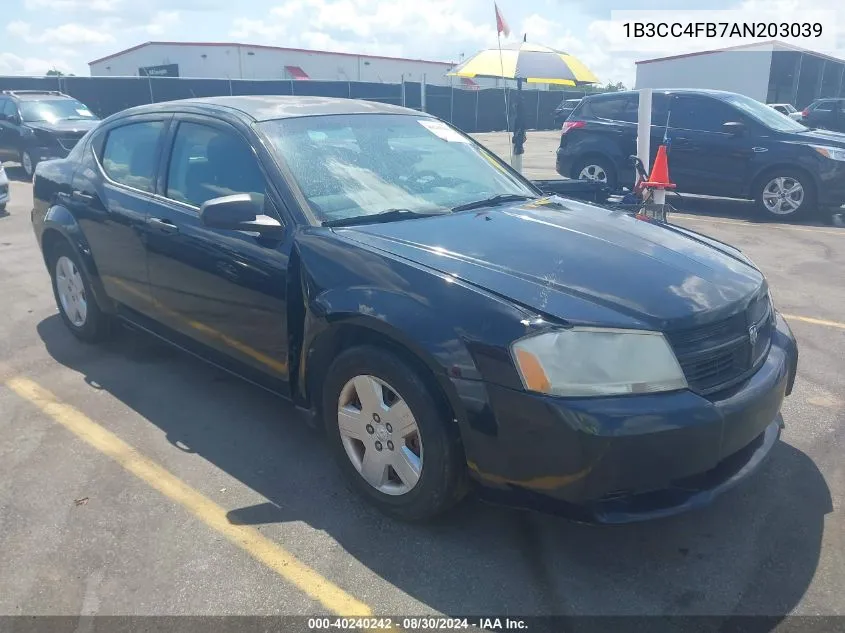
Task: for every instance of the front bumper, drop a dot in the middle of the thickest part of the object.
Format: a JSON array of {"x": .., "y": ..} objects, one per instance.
[
  {"x": 624, "y": 459},
  {"x": 831, "y": 183}
]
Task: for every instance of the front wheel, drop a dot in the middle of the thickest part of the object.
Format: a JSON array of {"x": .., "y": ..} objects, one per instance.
[
  {"x": 785, "y": 194},
  {"x": 391, "y": 437},
  {"x": 28, "y": 164}
]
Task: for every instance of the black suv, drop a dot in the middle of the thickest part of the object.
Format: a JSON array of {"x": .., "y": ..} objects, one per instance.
[
  {"x": 720, "y": 144},
  {"x": 825, "y": 114},
  {"x": 37, "y": 125}
]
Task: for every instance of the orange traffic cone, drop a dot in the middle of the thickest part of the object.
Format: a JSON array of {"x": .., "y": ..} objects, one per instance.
[{"x": 659, "y": 176}]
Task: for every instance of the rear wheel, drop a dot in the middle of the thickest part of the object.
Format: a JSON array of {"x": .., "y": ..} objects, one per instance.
[
  {"x": 72, "y": 290},
  {"x": 785, "y": 194},
  {"x": 393, "y": 441},
  {"x": 597, "y": 169}
]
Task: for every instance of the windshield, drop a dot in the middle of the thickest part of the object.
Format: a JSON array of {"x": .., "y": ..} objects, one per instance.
[
  {"x": 764, "y": 114},
  {"x": 54, "y": 110},
  {"x": 362, "y": 164}
]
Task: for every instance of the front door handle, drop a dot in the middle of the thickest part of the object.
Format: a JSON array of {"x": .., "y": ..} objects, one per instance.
[
  {"x": 165, "y": 226},
  {"x": 81, "y": 198}
]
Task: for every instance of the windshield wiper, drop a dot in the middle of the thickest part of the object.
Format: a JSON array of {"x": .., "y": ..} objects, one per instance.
[
  {"x": 492, "y": 201},
  {"x": 391, "y": 215}
]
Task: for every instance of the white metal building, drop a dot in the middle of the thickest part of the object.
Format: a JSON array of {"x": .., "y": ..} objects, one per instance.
[
  {"x": 245, "y": 61},
  {"x": 771, "y": 72}
]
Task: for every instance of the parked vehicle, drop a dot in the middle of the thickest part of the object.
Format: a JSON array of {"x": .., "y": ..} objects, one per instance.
[
  {"x": 788, "y": 109},
  {"x": 4, "y": 190},
  {"x": 37, "y": 125},
  {"x": 443, "y": 320},
  {"x": 825, "y": 114},
  {"x": 564, "y": 109},
  {"x": 721, "y": 144}
]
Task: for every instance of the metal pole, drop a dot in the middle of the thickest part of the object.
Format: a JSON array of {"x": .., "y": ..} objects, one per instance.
[
  {"x": 451, "y": 104},
  {"x": 422, "y": 93},
  {"x": 150, "y": 84},
  {"x": 644, "y": 127},
  {"x": 230, "y": 87},
  {"x": 476, "y": 110},
  {"x": 403, "y": 91}
]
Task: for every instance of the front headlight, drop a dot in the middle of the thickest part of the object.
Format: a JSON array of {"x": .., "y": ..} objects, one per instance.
[
  {"x": 833, "y": 153},
  {"x": 597, "y": 362}
]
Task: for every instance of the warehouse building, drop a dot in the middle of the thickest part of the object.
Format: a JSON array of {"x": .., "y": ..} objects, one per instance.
[
  {"x": 771, "y": 72},
  {"x": 248, "y": 61}
]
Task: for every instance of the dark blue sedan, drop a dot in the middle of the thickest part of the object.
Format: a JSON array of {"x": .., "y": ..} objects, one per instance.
[{"x": 447, "y": 323}]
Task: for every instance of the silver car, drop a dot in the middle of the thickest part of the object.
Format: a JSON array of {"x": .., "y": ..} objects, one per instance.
[{"x": 4, "y": 190}]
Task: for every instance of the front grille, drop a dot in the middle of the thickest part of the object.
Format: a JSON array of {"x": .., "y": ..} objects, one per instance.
[{"x": 715, "y": 355}]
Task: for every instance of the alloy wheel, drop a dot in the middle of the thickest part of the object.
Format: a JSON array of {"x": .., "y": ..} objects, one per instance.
[
  {"x": 783, "y": 195},
  {"x": 380, "y": 435},
  {"x": 593, "y": 172},
  {"x": 71, "y": 291}
]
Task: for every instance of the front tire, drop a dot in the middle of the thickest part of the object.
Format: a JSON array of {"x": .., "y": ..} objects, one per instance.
[
  {"x": 28, "y": 164},
  {"x": 72, "y": 290},
  {"x": 394, "y": 442},
  {"x": 785, "y": 194}
]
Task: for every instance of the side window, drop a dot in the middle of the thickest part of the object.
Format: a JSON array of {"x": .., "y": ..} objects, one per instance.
[
  {"x": 701, "y": 113},
  {"x": 618, "y": 108},
  {"x": 129, "y": 155},
  {"x": 208, "y": 163},
  {"x": 824, "y": 106},
  {"x": 9, "y": 107}
]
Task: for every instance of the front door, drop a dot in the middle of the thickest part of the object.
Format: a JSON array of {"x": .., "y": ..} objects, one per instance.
[
  {"x": 703, "y": 158},
  {"x": 111, "y": 193},
  {"x": 223, "y": 289}
]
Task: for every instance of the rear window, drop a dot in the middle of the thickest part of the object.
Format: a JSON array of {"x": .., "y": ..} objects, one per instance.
[{"x": 617, "y": 108}]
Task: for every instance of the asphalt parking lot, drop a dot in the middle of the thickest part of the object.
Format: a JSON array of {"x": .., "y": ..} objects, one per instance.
[{"x": 137, "y": 480}]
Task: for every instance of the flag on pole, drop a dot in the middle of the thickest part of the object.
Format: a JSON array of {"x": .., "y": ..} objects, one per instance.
[{"x": 501, "y": 25}]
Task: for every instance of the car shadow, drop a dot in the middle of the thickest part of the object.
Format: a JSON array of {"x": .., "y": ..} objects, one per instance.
[
  {"x": 742, "y": 210},
  {"x": 754, "y": 552}
]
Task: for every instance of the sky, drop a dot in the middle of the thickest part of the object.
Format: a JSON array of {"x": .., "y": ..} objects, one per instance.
[{"x": 65, "y": 35}]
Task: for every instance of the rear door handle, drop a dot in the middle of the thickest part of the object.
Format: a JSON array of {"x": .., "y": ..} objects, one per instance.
[
  {"x": 165, "y": 226},
  {"x": 82, "y": 198}
]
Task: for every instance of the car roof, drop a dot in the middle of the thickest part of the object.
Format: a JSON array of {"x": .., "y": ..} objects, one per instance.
[
  {"x": 718, "y": 94},
  {"x": 270, "y": 107}
]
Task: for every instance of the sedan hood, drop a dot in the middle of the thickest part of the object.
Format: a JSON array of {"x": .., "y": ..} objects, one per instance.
[{"x": 578, "y": 263}]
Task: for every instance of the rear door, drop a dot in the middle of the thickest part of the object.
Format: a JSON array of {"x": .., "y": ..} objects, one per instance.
[
  {"x": 111, "y": 194},
  {"x": 703, "y": 158},
  {"x": 225, "y": 290}
]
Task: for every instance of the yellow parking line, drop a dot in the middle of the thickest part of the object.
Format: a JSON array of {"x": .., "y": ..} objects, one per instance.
[
  {"x": 709, "y": 220},
  {"x": 248, "y": 539},
  {"x": 795, "y": 317}
]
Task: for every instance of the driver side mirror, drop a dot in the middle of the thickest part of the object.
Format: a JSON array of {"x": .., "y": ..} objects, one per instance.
[
  {"x": 734, "y": 128},
  {"x": 239, "y": 212}
]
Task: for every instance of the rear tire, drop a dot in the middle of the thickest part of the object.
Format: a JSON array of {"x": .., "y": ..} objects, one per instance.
[
  {"x": 72, "y": 290},
  {"x": 785, "y": 194},
  {"x": 597, "y": 169},
  {"x": 423, "y": 434}
]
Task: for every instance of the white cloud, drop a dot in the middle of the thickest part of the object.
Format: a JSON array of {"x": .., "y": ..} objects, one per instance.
[
  {"x": 73, "y": 5},
  {"x": 15, "y": 65},
  {"x": 66, "y": 34},
  {"x": 162, "y": 22}
]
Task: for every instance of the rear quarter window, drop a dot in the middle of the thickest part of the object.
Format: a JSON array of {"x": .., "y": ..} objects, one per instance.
[
  {"x": 130, "y": 154},
  {"x": 621, "y": 108}
]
